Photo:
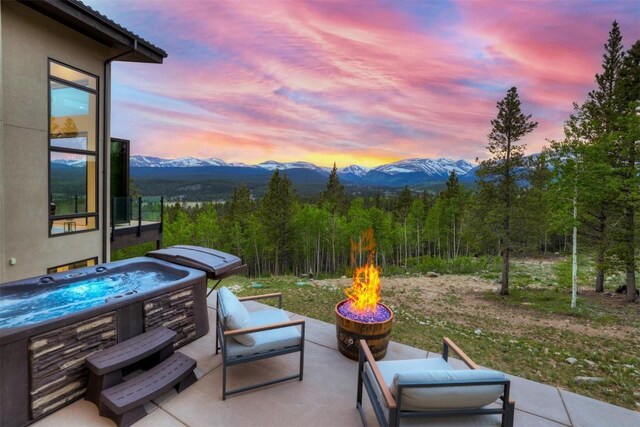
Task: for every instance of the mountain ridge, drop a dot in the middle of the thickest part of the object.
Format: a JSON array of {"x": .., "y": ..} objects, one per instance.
[
  {"x": 438, "y": 167},
  {"x": 190, "y": 178}
]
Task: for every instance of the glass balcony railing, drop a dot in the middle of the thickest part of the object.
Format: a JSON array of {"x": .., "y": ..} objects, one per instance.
[{"x": 136, "y": 211}]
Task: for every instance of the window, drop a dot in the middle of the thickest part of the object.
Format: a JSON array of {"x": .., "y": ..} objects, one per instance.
[
  {"x": 73, "y": 150},
  {"x": 78, "y": 264}
]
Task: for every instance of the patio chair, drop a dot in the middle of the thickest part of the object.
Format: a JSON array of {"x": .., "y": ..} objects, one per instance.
[
  {"x": 431, "y": 388},
  {"x": 243, "y": 336}
]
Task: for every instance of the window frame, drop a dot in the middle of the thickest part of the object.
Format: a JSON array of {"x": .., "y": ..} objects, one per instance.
[
  {"x": 50, "y": 149},
  {"x": 50, "y": 270}
]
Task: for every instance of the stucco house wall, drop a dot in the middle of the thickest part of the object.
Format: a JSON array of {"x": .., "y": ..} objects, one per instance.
[{"x": 28, "y": 40}]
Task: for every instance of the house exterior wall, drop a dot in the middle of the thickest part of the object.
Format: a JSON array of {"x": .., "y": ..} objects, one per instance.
[
  {"x": 28, "y": 40},
  {"x": 3, "y": 262}
]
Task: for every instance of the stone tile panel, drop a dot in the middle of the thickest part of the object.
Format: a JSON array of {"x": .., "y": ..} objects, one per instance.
[
  {"x": 174, "y": 311},
  {"x": 58, "y": 375}
]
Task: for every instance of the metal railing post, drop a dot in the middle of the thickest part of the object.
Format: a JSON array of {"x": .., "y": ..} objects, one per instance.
[
  {"x": 139, "y": 215},
  {"x": 161, "y": 213},
  {"x": 113, "y": 223}
]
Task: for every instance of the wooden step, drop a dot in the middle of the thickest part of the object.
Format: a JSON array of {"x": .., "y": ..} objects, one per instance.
[{"x": 124, "y": 402}]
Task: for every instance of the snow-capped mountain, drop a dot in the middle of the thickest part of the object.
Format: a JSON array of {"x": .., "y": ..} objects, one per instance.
[
  {"x": 355, "y": 170},
  {"x": 432, "y": 167},
  {"x": 145, "y": 161},
  {"x": 241, "y": 165},
  {"x": 182, "y": 162},
  {"x": 412, "y": 172},
  {"x": 70, "y": 162},
  {"x": 273, "y": 165}
]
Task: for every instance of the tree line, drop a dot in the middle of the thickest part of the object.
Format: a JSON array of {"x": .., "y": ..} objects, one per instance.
[{"x": 579, "y": 194}]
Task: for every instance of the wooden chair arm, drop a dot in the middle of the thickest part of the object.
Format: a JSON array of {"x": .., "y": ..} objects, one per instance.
[
  {"x": 242, "y": 331},
  {"x": 263, "y": 296},
  {"x": 448, "y": 344},
  {"x": 386, "y": 393}
]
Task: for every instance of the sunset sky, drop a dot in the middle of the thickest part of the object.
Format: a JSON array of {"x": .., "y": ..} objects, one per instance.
[{"x": 353, "y": 81}]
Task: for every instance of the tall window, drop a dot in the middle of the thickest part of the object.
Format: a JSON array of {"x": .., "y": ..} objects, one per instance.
[{"x": 73, "y": 150}]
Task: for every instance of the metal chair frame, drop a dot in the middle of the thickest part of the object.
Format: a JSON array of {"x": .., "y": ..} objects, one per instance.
[
  {"x": 222, "y": 334},
  {"x": 394, "y": 412}
]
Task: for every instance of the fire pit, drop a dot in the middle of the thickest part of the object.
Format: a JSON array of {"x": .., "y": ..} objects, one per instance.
[{"x": 361, "y": 315}]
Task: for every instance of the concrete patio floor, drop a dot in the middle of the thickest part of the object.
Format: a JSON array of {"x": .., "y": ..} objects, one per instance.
[{"x": 327, "y": 395}]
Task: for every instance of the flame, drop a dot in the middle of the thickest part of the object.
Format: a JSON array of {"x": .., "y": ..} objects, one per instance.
[{"x": 364, "y": 294}]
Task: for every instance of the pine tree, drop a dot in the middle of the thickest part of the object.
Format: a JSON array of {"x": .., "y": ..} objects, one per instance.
[
  {"x": 602, "y": 104},
  {"x": 241, "y": 205},
  {"x": 333, "y": 196},
  {"x": 276, "y": 215},
  {"x": 602, "y": 109},
  {"x": 627, "y": 149},
  {"x": 503, "y": 171}
]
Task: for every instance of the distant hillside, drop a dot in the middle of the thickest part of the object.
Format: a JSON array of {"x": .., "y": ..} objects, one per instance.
[{"x": 191, "y": 178}]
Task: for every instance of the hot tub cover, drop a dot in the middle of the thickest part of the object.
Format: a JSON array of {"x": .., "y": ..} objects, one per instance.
[{"x": 216, "y": 264}]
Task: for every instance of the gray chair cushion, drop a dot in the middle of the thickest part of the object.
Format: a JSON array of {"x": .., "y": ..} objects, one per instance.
[
  {"x": 237, "y": 316},
  {"x": 461, "y": 397},
  {"x": 437, "y": 370},
  {"x": 267, "y": 340},
  {"x": 390, "y": 368}
]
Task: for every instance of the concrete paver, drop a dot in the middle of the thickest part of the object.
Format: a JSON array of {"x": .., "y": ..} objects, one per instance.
[
  {"x": 536, "y": 398},
  {"x": 319, "y": 400},
  {"x": 587, "y": 412}
]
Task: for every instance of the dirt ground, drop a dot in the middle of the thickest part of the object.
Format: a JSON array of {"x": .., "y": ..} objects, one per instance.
[{"x": 461, "y": 299}]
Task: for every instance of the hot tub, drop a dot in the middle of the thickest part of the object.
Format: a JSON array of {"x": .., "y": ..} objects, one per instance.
[{"x": 50, "y": 324}]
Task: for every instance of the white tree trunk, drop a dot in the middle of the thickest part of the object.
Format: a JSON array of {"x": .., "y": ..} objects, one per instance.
[{"x": 574, "y": 269}]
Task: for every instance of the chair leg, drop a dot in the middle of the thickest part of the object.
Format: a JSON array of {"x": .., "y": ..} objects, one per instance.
[
  {"x": 394, "y": 420},
  {"x": 302, "y": 360},
  {"x": 217, "y": 344},
  {"x": 360, "y": 367},
  {"x": 507, "y": 417},
  {"x": 224, "y": 380}
]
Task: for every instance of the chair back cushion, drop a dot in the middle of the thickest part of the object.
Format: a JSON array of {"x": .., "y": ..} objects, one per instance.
[
  {"x": 237, "y": 316},
  {"x": 268, "y": 340},
  {"x": 447, "y": 397}
]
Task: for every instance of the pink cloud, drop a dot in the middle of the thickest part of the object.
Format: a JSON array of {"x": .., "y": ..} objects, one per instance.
[{"x": 248, "y": 81}]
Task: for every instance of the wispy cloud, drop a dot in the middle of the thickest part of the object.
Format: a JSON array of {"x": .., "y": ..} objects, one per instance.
[{"x": 353, "y": 81}]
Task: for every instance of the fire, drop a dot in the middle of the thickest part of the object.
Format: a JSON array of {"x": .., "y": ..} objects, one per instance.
[{"x": 364, "y": 294}]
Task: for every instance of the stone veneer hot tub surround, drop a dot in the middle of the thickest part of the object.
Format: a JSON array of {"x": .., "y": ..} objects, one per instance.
[{"x": 42, "y": 364}]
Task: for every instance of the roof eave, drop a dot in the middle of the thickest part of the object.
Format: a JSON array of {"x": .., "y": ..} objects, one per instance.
[{"x": 86, "y": 21}]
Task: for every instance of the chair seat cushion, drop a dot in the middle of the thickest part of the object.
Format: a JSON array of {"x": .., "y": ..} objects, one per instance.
[
  {"x": 273, "y": 339},
  {"x": 237, "y": 316},
  {"x": 389, "y": 368},
  {"x": 437, "y": 371}
]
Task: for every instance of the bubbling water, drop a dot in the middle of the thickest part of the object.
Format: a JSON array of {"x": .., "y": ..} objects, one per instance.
[{"x": 43, "y": 303}]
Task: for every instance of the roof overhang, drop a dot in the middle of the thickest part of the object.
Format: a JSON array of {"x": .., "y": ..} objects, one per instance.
[{"x": 80, "y": 17}]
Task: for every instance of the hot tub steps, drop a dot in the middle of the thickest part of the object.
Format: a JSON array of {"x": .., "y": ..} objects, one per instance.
[
  {"x": 124, "y": 403},
  {"x": 106, "y": 367}
]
